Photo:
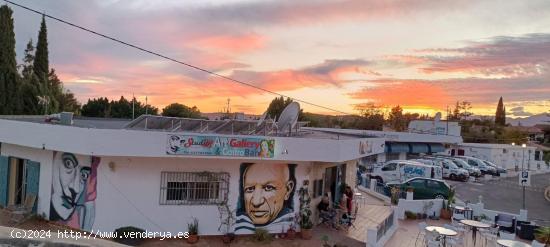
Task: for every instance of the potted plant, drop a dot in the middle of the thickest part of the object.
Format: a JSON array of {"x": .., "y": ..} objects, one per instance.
[
  {"x": 542, "y": 235},
  {"x": 394, "y": 195},
  {"x": 193, "y": 230},
  {"x": 228, "y": 238},
  {"x": 305, "y": 213},
  {"x": 410, "y": 215},
  {"x": 445, "y": 211},
  {"x": 261, "y": 235}
]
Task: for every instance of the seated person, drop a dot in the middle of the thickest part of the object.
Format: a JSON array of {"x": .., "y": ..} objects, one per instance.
[
  {"x": 343, "y": 209},
  {"x": 326, "y": 213}
]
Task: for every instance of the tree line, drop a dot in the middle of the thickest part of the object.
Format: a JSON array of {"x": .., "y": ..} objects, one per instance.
[{"x": 31, "y": 87}]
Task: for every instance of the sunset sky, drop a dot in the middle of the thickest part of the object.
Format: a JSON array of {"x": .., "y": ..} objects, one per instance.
[{"x": 422, "y": 55}]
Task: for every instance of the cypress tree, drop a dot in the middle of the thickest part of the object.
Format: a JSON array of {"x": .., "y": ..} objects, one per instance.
[
  {"x": 41, "y": 64},
  {"x": 500, "y": 115},
  {"x": 8, "y": 64},
  {"x": 41, "y": 67}
]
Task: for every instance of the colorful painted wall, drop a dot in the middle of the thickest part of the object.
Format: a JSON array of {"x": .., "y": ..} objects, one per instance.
[
  {"x": 74, "y": 183},
  {"x": 266, "y": 197}
]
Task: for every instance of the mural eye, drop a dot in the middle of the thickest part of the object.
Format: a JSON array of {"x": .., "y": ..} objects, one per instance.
[
  {"x": 249, "y": 189},
  {"x": 84, "y": 175},
  {"x": 69, "y": 164},
  {"x": 269, "y": 187}
]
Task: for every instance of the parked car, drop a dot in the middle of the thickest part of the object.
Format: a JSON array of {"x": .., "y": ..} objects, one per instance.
[
  {"x": 463, "y": 164},
  {"x": 425, "y": 188},
  {"x": 499, "y": 169},
  {"x": 453, "y": 171},
  {"x": 450, "y": 170},
  {"x": 477, "y": 163},
  {"x": 401, "y": 170}
]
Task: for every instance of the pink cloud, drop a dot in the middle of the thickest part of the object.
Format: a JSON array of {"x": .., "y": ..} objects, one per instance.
[{"x": 408, "y": 93}]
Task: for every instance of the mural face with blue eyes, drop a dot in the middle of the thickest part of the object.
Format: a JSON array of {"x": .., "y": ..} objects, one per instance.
[{"x": 71, "y": 188}]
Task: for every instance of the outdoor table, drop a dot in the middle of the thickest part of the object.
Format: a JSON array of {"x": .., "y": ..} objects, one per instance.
[
  {"x": 443, "y": 232},
  {"x": 475, "y": 225},
  {"x": 512, "y": 243}
]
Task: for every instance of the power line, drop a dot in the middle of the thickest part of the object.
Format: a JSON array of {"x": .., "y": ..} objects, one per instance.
[{"x": 173, "y": 59}]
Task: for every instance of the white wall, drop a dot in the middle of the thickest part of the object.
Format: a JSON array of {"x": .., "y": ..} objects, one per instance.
[
  {"x": 45, "y": 158},
  {"x": 508, "y": 159},
  {"x": 134, "y": 187},
  {"x": 139, "y": 143},
  {"x": 417, "y": 206}
]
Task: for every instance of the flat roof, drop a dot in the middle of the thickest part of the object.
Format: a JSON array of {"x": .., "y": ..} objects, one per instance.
[
  {"x": 78, "y": 121},
  {"x": 188, "y": 125}
]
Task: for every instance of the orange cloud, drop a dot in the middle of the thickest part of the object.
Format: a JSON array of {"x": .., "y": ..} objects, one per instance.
[{"x": 407, "y": 93}]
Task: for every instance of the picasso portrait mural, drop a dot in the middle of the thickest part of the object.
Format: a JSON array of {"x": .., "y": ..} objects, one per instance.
[
  {"x": 266, "y": 197},
  {"x": 74, "y": 190}
]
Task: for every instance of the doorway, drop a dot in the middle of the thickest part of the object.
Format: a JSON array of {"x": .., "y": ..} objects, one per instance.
[
  {"x": 330, "y": 182},
  {"x": 16, "y": 186}
]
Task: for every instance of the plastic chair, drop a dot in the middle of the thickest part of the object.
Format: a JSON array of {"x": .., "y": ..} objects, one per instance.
[
  {"x": 536, "y": 243},
  {"x": 507, "y": 235},
  {"x": 431, "y": 236}
]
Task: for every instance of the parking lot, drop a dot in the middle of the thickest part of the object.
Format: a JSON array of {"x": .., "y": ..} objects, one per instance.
[{"x": 504, "y": 194}]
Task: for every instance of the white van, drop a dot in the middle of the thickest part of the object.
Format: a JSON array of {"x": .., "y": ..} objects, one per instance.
[
  {"x": 401, "y": 170},
  {"x": 450, "y": 169}
]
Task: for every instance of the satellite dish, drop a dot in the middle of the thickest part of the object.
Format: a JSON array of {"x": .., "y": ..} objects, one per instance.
[
  {"x": 289, "y": 117},
  {"x": 262, "y": 119},
  {"x": 437, "y": 117}
]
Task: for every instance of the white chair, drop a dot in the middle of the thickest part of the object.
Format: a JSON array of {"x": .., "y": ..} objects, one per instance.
[
  {"x": 536, "y": 243},
  {"x": 434, "y": 243},
  {"x": 507, "y": 235},
  {"x": 431, "y": 237},
  {"x": 455, "y": 241},
  {"x": 490, "y": 238},
  {"x": 421, "y": 231}
]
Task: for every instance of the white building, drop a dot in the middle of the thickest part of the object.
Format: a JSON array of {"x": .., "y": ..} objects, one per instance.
[
  {"x": 435, "y": 127},
  {"x": 506, "y": 156},
  {"x": 400, "y": 145},
  {"x": 159, "y": 173}
]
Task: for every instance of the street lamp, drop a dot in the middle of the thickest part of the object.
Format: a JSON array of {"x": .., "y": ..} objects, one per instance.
[{"x": 523, "y": 146}]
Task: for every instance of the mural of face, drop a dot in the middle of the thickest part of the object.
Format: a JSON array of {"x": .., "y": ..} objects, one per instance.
[
  {"x": 266, "y": 187},
  {"x": 70, "y": 177}
]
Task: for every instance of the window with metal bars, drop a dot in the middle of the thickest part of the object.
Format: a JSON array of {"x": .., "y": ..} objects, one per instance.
[{"x": 185, "y": 188}]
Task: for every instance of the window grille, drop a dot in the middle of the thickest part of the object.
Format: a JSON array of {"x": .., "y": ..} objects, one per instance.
[{"x": 193, "y": 188}]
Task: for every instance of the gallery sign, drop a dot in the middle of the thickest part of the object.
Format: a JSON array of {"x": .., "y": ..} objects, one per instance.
[{"x": 220, "y": 146}]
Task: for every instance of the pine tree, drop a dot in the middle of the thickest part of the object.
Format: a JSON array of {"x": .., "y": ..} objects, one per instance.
[
  {"x": 500, "y": 115},
  {"x": 8, "y": 65},
  {"x": 28, "y": 60}
]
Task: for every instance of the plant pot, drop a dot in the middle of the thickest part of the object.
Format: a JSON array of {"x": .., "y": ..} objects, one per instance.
[
  {"x": 445, "y": 214},
  {"x": 306, "y": 234},
  {"x": 228, "y": 238},
  {"x": 193, "y": 239},
  {"x": 290, "y": 234}
]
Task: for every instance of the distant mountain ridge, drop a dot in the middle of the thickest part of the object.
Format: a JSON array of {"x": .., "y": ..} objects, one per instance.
[{"x": 542, "y": 118}]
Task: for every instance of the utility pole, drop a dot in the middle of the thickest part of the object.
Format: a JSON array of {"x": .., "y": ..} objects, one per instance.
[
  {"x": 133, "y": 103},
  {"x": 523, "y": 146}
]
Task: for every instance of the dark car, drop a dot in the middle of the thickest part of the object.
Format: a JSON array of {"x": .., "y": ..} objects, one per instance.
[
  {"x": 425, "y": 188},
  {"x": 500, "y": 170}
]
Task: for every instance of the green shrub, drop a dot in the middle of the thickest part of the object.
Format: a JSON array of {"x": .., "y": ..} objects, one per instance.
[
  {"x": 262, "y": 235},
  {"x": 193, "y": 228}
]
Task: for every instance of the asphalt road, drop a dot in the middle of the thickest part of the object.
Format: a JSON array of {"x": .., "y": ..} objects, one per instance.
[{"x": 504, "y": 194}]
